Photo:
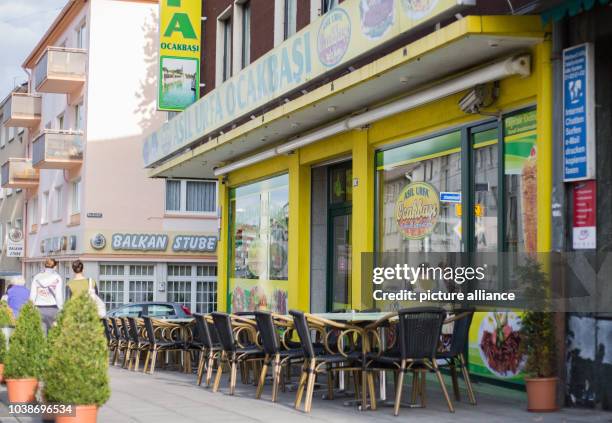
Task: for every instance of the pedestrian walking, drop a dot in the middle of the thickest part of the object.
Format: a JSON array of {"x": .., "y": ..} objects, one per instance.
[
  {"x": 79, "y": 283},
  {"x": 17, "y": 294},
  {"x": 47, "y": 293}
]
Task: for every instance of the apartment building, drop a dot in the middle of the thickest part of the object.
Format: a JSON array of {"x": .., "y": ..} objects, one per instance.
[
  {"x": 94, "y": 80},
  {"x": 13, "y": 141}
]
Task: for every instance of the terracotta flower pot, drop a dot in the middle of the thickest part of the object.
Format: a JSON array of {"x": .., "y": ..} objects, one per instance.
[
  {"x": 542, "y": 394},
  {"x": 83, "y": 414},
  {"x": 21, "y": 390},
  {"x": 1, "y": 372}
]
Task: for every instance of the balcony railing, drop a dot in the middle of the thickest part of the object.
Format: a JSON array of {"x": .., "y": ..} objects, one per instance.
[
  {"x": 60, "y": 70},
  {"x": 21, "y": 110},
  {"x": 19, "y": 173},
  {"x": 57, "y": 150}
]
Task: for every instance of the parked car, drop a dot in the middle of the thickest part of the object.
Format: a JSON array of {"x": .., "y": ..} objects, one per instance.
[{"x": 159, "y": 310}]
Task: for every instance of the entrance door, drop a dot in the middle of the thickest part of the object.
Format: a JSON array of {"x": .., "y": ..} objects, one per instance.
[{"x": 339, "y": 259}]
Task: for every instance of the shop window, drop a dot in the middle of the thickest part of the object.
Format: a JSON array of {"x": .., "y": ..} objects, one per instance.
[
  {"x": 418, "y": 172},
  {"x": 520, "y": 180},
  {"x": 206, "y": 288},
  {"x": 111, "y": 292},
  {"x": 44, "y": 211},
  {"x": 185, "y": 196},
  {"x": 259, "y": 217},
  {"x": 140, "y": 291},
  {"x": 179, "y": 292}
]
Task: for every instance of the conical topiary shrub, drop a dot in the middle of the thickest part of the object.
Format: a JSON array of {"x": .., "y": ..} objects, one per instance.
[
  {"x": 77, "y": 367},
  {"x": 26, "y": 356},
  {"x": 6, "y": 315},
  {"x": 2, "y": 355}
]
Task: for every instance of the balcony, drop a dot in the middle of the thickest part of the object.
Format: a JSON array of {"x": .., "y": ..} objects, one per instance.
[
  {"x": 60, "y": 70},
  {"x": 57, "y": 150},
  {"x": 21, "y": 110},
  {"x": 19, "y": 173}
]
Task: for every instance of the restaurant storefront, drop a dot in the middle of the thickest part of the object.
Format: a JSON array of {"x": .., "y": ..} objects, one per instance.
[{"x": 429, "y": 176}]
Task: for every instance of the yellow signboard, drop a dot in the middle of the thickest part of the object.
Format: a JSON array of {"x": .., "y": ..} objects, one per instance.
[
  {"x": 180, "y": 32},
  {"x": 478, "y": 210}
]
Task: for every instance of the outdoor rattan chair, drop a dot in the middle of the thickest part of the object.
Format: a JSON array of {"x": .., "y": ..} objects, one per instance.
[
  {"x": 210, "y": 347},
  {"x": 233, "y": 354},
  {"x": 138, "y": 345},
  {"x": 111, "y": 342},
  {"x": 160, "y": 337},
  {"x": 419, "y": 335},
  {"x": 317, "y": 361},
  {"x": 454, "y": 355},
  {"x": 273, "y": 350},
  {"x": 122, "y": 342}
]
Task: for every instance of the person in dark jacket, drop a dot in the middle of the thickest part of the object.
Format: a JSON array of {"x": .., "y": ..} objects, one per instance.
[{"x": 17, "y": 294}]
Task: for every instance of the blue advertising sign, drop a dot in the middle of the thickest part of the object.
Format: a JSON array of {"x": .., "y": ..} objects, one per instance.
[
  {"x": 450, "y": 197},
  {"x": 578, "y": 113}
]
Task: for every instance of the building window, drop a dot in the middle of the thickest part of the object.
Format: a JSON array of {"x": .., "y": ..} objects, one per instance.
[
  {"x": 327, "y": 5},
  {"x": 139, "y": 279},
  {"x": 1, "y": 237},
  {"x": 59, "y": 122},
  {"x": 75, "y": 203},
  {"x": 259, "y": 218},
  {"x": 111, "y": 285},
  {"x": 81, "y": 35},
  {"x": 78, "y": 117},
  {"x": 3, "y": 131},
  {"x": 11, "y": 134},
  {"x": 179, "y": 284},
  {"x": 226, "y": 70},
  {"x": 44, "y": 208},
  {"x": 19, "y": 223},
  {"x": 57, "y": 203},
  {"x": 289, "y": 18},
  {"x": 246, "y": 34},
  {"x": 206, "y": 288},
  {"x": 34, "y": 213},
  {"x": 185, "y": 196},
  {"x": 194, "y": 286}
]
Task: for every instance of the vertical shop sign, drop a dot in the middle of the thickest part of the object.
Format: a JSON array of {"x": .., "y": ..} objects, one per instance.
[
  {"x": 584, "y": 231},
  {"x": 578, "y": 113},
  {"x": 179, "y": 54}
]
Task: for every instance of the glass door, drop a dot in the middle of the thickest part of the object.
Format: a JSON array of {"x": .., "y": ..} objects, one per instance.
[{"x": 339, "y": 254}]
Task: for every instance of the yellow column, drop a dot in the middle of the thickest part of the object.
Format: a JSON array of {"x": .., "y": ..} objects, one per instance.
[
  {"x": 544, "y": 162},
  {"x": 299, "y": 234},
  {"x": 363, "y": 216},
  {"x": 222, "y": 248}
]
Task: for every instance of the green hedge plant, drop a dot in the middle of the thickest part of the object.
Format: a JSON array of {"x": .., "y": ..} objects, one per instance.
[
  {"x": 6, "y": 315},
  {"x": 77, "y": 367},
  {"x": 25, "y": 357},
  {"x": 537, "y": 323},
  {"x": 2, "y": 347}
]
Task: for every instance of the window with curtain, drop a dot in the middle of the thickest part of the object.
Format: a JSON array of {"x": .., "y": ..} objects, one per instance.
[
  {"x": 200, "y": 196},
  {"x": 173, "y": 195},
  {"x": 246, "y": 33},
  {"x": 188, "y": 196}
]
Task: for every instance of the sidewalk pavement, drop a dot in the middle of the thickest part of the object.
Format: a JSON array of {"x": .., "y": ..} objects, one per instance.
[{"x": 170, "y": 396}]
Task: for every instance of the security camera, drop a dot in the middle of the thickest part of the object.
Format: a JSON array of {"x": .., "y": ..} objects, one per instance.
[{"x": 478, "y": 98}]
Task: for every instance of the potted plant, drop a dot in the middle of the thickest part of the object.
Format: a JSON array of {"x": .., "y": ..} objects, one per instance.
[
  {"x": 538, "y": 340},
  {"x": 2, "y": 355},
  {"x": 77, "y": 367},
  {"x": 25, "y": 357},
  {"x": 7, "y": 320}
]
